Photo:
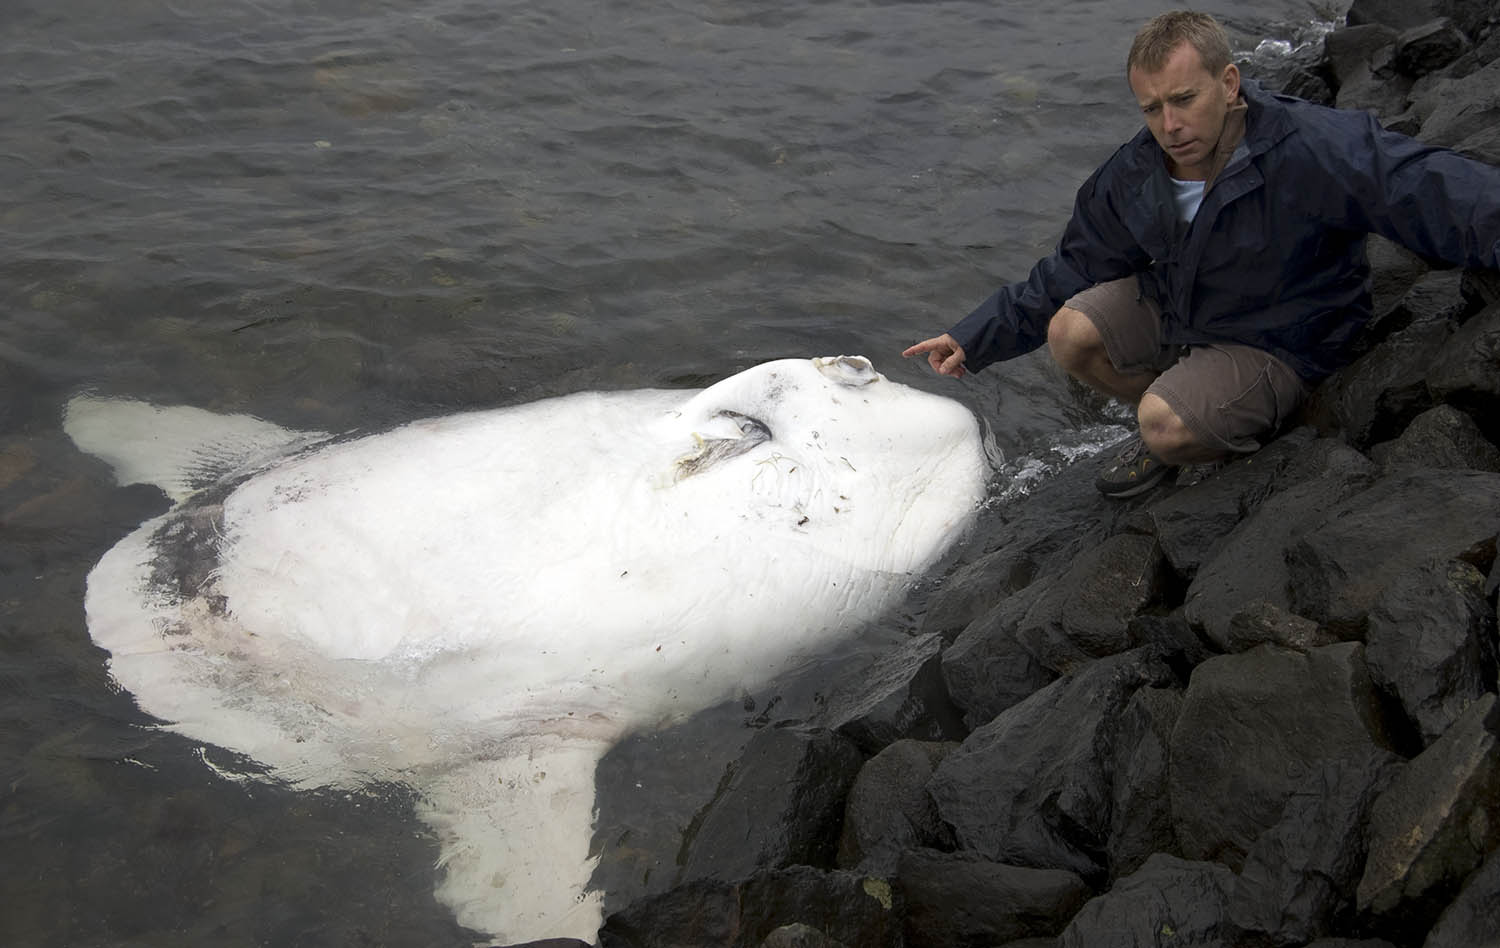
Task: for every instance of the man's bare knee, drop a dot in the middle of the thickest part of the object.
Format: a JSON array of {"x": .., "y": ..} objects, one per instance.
[
  {"x": 1168, "y": 436},
  {"x": 1074, "y": 340}
]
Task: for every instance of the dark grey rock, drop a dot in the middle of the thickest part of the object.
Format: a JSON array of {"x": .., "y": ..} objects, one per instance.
[
  {"x": 1429, "y": 47},
  {"x": 962, "y": 899},
  {"x": 799, "y": 935},
  {"x": 1250, "y": 568},
  {"x": 1435, "y": 823},
  {"x": 1431, "y": 643},
  {"x": 781, "y": 804},
  {"x": 901, "y": 695},
  {"x": 1086, "y": 613},
  {"x": 1192, "y": 523},
  {"x": 1349, "y": 51},
  {"x": 976, "y": 588},
  {"x": 1300, "y": 875},
  {"x": 1461, "y": 113},
  {"x": 1140, "y": 814},
  {"x": 1173, "y": 637},
  {"x": 1473, "y": 919},
  {"x": 1252, "y": 726},
  {"x": 1340, "y": 566},
  {"x": 844, "y": 906},
  {"x": 1465, "y": 371},
  {"x": 987, "y": 669},
  {"x": 1259, "y": 623},
  {"x": 1379, "y": 395},
  {"x": 889, "y": 811},
  {"x": 1033, "y": 787},
  {"x": 1436, "y": 296},
  {"x": 1441, "y": 437},
  {"x": 1396, "y": 14},
  {"x": 1167, "y": 901},
  {"x": 1394, "y": 270}
]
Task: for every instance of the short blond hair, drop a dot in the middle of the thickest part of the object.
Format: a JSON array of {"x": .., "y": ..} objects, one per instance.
[{"x": 1160, "y": 37}]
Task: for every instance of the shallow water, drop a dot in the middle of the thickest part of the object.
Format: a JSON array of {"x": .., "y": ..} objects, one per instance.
[{"x": 341, "y": 215}]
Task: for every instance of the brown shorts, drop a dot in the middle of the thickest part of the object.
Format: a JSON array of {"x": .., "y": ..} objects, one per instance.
[{"x": 1230, "y": 396}]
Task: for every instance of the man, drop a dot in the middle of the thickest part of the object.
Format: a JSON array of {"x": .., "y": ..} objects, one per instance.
[{"x": 1214, "y": 267}]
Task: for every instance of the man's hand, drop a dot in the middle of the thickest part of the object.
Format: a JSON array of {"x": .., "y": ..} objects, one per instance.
[{"x": 944, "y": 354}]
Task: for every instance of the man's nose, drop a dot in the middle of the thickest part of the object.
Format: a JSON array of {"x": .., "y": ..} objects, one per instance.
[{"x": 1171, "y": 119}]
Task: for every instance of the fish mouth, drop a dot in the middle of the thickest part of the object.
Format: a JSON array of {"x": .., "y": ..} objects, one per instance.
[
  {"x": 712, "y": 451},
  {"x": 848, "y": 370}
]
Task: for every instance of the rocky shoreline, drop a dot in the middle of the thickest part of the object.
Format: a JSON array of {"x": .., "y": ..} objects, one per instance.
[{"x": 1255, "y": 710}]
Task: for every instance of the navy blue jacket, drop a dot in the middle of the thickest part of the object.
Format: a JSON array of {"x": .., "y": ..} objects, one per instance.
[{"x": 1275, "y": 257}]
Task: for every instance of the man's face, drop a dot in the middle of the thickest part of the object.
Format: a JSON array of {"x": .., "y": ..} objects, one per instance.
[{"x": 1184, "y": 106}]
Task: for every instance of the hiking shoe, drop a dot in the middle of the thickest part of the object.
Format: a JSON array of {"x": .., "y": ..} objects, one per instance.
[{"x": 1135, "y": 471}]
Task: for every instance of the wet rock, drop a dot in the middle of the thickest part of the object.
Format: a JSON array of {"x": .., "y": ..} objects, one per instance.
[
  {"x": 1435, "y": 824},
  {"x": 1462, "y": 113},
  {"x": 901, "y": 696},
  {"x": 1439, "y": 437},
  {"x": 1191, "y": 524},
  {"x": 1394, "y": 271},
  {"x": 1379, "y": 395},
  {"x": 843, "y": 906},
  {"x": 1358, "y": 548},
  {"x": 780, "y": 804},
  {"x": 1300, "y": 875},
  {"x": 963, "y": 899},
  {"x": 1085, "y": 614},
  {"x": 976, "y": 588},
  {"x": 1431, "y": 643},
  {"x": 1252, "y": 726},
  {"x": 1140, "y": 815},
  {"x": 1349, "y": 52},
  {"x": 889, "y": 811},
  {"x": 799, "y": 936},
  {"x": 1167, "y": 901},
  {"x": 1260, "y": 623},
  {"x": 987, "y": 669},
  {"x": 1463, "y": 372},
  {"x": 1396, "y": 14},
  {"x": 1429, "y": 47},
  {"x": 1473, "y": 919},
  {"x": 1435, "y": 297},
  {"x": 1173, "y": 637},
  {"x": 1250, "y": 567},
  {"x": 1033, "y": 787}
]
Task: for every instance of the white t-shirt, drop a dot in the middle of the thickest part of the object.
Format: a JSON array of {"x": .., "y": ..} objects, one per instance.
[{"x": 1189, "y": 196}]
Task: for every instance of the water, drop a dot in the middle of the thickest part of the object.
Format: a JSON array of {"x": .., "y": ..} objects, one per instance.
[{"x": 341, "y": 215}]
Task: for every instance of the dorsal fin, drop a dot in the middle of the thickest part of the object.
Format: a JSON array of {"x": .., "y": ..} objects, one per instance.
[{"x": 178, "y": 449}]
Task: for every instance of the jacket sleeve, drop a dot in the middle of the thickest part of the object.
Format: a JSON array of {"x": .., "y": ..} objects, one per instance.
[
  {"x": 1430, "y": 200},
  {"x": 1095, "y": 247}
]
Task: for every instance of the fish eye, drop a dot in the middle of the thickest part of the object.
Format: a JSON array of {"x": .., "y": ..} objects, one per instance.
[{"x": 847, "y": 370}]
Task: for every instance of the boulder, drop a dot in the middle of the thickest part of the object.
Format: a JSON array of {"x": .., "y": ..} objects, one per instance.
[
  {"x": 1429, "y": 47},
  {"x": 780, "y": 804},
  {"x": 1033, "y": 787},
  {"x": 799, "y": 935},
  {"x": 955, "y": 899},
  {"x": 1342, "y": 563},
  {"x": 976, "y": 588},
  {"x": 1431, "y": 643},
  {"x": 1379, "y": 395},
  {"x": 1461, "y": 113},
  {"x": 1435, "y": 824},
  {"x": 1167, "y": 901},
  {"x": 1140, "y": 815},
  {"x": 901, "y": 695},
  {"x": 1085, "y": 614},
  {"x": 1259, "y": 622},
  {"x": 1249, "y": 568},
  {"x": 889, "y": 811},
  {"x": 1252, "y": 727},
  {"x": 1473, "y": 919},
  {"x": 1300, "y": 875},
  {"x": 1396, "y": 14},
  {"x": 842, "y": 906},
  {"x": 1463, "y": 371},
  {"x": 1350, "y": 50},
  {"x": 1191, "y": 524},
  {"x": 1439, "y": 437},
  {"x": 987, "y": 669}
]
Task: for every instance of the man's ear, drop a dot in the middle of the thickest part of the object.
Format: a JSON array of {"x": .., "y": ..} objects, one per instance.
[{"x": 1231, "y": 80}]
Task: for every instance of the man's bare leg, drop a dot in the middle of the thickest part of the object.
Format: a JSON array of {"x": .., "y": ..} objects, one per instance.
[{"x": 1077, "y": 347}]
